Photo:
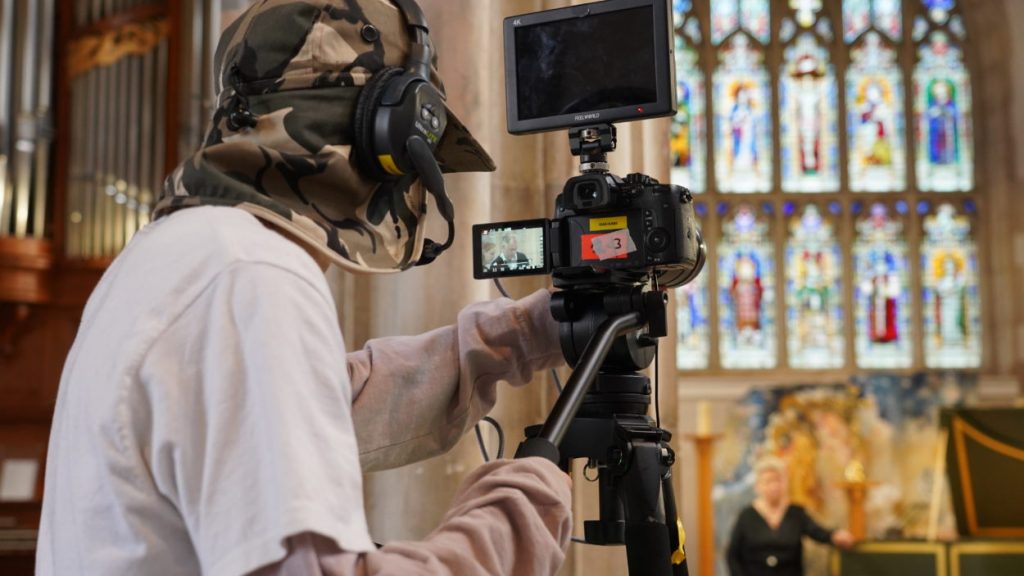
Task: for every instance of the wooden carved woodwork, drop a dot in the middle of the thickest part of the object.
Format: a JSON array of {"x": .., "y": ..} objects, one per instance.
[{"x": 106, "y": 48}]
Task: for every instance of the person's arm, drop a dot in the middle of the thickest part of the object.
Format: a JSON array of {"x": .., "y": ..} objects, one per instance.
[
  {"x": 810, "y": 528},
  {"x": 734, "y": 555},
  {"x": 510, "y": 518},
  {"x": 413, "y": 397}
]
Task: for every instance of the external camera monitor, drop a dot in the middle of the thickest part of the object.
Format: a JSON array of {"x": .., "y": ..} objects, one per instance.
[
  {"x": 593, "y": 63},
  {"x": 510, "y": 249}
]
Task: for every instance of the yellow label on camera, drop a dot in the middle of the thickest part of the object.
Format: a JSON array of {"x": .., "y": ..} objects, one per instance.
[{"x": 607, "y": 224}]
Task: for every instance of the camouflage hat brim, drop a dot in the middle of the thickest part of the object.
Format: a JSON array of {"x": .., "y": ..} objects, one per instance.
[{"x": 459, "y": 151}]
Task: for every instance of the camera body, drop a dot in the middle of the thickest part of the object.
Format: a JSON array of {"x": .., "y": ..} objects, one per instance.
[
  {"x": 627, "y": 227},
  {"x": 605, "y": 226}
]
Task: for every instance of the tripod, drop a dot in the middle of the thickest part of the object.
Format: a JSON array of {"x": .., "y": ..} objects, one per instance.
[{"x": 601, "y": 415}]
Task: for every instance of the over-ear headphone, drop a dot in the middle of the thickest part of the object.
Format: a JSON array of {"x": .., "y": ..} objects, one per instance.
[
  {"x": 399, "y": 119},
  {"x": 398, "y": 106}
]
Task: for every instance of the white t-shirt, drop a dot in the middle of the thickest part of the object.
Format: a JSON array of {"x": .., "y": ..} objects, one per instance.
[{"x": 177, "y": 377}]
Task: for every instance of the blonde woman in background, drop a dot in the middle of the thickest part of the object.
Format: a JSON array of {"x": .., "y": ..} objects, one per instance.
[{"x": 767, "y": 536}]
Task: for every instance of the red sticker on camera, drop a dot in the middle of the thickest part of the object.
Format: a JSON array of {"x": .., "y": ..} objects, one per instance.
[{"x": 616, "y": 245}]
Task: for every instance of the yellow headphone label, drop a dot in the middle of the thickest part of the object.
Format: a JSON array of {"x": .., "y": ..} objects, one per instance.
[{"x": 389, "y": 165}]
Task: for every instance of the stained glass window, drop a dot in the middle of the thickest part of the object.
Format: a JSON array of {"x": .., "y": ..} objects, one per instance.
[
  {"x": 951, "y": 301},
  {"x": 881, "y": 290},
  {"x": 743, "y": 131},
  {"x": 814, "y": 301},
  {"x": 942, "y": 103},
  {"x": 886, "y": 16},
  {"x": 727, "y": 16},
  {"x": 725, "y": 19},
  {"x": 688, "y": 137},
  {"x": 754, "y": 16},
  {"x": 874, "y": 96},
  {"x": 806, "y": 11},
  {"x": 831, "y": 282},
  {"x": 810, "y": 150},
  {"x": 938, "y": 10},
  {"x": 692, "y": 327},
  {"x": 746, "y": 291}
]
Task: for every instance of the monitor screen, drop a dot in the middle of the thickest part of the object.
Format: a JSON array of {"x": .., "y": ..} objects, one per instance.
[
  {"x": 510, "y": 249},
  {"x": 571, "y": 66}
]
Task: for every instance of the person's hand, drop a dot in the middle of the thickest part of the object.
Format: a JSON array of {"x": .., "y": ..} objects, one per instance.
[{"x": 843, "y": 539}]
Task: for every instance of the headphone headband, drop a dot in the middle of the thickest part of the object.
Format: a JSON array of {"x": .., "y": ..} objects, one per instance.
[
  {"x": 413, "y": 14},
  {"x": 418, "y": 61}
]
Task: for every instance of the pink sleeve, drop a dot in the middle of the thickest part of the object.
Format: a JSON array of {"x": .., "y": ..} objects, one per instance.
[
  {"x": 414, "y": 397},
  {"x": 509, "y": 518}
]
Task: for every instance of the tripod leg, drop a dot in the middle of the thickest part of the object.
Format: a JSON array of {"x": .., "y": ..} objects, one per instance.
[
  {"x": 676, "y": 536},
  {"x": 648, "y": 547}
]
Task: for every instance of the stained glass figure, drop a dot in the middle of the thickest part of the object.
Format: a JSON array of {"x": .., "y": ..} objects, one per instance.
[
  {"x": 727, "y": 16},
  {"x": 806, "y": 11},
  {"x": 688, "y": 140},
  {"x": 881, "y": 292},
  {"x": 952, "y": 307},
  {"x": 746, "y": 292},
  {"x": 938, "y": 10},
  {"x": 942, "y": 104},
  {"x": 693, "y": 343},
  {"x": 814, "y": 308},
  {"x": 810, "y": 151},
  {"x": 875, "y": 124},
  {"x": 742, "y": 120}
]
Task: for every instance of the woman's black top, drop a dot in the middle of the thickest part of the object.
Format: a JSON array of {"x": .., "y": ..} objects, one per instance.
[{"x": 757, "y": 550}]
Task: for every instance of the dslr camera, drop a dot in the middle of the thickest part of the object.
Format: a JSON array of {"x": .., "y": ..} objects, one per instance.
[{"x": 582, "y": 68}]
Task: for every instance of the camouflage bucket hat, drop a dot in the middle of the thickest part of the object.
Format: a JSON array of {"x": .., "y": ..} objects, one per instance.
[{"x": 300, "y": 67}]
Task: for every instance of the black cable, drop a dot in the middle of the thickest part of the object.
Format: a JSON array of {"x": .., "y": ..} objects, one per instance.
[
  {"x": 501, "y": 288},
  {"x": 501, "y": 435},
  {"x": 657, "y": 383},
  {"x": 557, "y": 381},
  {"x": 480, "y": 438},
  {"x": 657, "y": 388},
  {"x": 480, "y": 441}
]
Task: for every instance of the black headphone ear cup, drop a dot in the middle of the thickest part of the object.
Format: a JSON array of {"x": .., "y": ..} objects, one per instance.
[{"x": 365, "y": 120}]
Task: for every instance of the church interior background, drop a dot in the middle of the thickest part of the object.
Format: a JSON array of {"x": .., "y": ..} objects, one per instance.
[{"x": 854, "y": 164}]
